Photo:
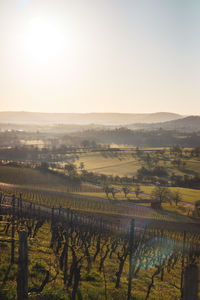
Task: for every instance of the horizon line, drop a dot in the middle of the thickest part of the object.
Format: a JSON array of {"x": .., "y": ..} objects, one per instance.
[{"x": 107, "y": 112}]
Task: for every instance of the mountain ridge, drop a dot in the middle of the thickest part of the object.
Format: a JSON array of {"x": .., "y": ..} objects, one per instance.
[
  {"x": 23, "y": 117},
  {"x": 189, "y": 123}
]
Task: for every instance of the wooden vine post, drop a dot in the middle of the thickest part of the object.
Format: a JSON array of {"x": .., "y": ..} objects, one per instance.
[
  {"x": 59, "y": 211},
  {"x": 191, "y": 278},
  {"x": 1, "y": 200},
  {"x": 13, "y": 231},
  {"x": 22, "y": 278},
  {"x": 66, "y": 247},
  {"x": 183, "y": 266},
  {"x": 131, "y": 241},
  {"x": 20, "y": 203},
  {"x": 30, "y": 209},
  {"x": 52, "y": 217}
]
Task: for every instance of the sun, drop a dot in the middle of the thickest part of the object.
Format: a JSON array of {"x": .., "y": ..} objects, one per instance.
[{"x": 44, "y": 40}]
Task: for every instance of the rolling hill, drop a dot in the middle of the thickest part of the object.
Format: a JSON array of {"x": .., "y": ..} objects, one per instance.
[
  {"x": 116, "y": 119},
  {"x": 188, "y": 124}
]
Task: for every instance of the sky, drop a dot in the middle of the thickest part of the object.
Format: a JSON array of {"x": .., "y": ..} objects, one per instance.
[{"x": 134, "y": 56}]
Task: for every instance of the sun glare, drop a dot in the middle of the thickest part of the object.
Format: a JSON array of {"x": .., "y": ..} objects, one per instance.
[{"x": 43, "y": 40}]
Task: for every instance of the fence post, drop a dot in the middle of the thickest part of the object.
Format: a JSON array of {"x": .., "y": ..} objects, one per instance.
[
  {"x": 183, "y": 266},
  {"x": 52, "y": 216},
  {"x": 71, "y": 216},
  {"x": 13, "y": 231},
  {"x": 131, "y": 240},
  {"x": 30, "y": 208},
  {"x": 20, "y": 203},
  {"x": 53, "y": 222},
  {"x": 66, "y": 247},
  {"x": 190, "y": 289},
  {"x": 34, "y": 209},
  {"x": 39, "y": 212},
  {"x": 59, "y": 211},
  {"x": 1, "y": 200},
  {"x": 22, "y": 278}
]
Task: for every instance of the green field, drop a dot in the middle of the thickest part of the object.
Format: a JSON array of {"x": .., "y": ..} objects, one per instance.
[
  {"x": 36, "y": 179},
  {"x": 30, "y": 177},
  {"x": 121, "y": 163},
  {"x": 188, "y": 195},
  {"x": 126, "y": 163},
  {"x": 118, "y": 163}
]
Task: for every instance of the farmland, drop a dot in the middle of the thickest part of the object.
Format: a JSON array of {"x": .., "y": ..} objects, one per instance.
[
  {"x": 102, "y": 189},
  {"x": 97, "y": 266}
]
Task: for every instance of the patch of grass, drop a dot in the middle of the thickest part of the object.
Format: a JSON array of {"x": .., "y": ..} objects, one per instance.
[
  {"x": 121, "y": 164},
  {"x": 30, "y": 177},
  {"x": 188, "y": 195}
]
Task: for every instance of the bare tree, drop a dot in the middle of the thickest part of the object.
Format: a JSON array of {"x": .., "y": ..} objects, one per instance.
[
  {"x": 126, "y": 190},
  {"x": 161, "y": 193},
  {"x": 107, "y": 191},
  {"x": 137, "y": 190},
  {"x": 176, "y": 196}
]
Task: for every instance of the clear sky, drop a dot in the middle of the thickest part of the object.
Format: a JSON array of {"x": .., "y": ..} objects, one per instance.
[{"x": 100, "y": 55}]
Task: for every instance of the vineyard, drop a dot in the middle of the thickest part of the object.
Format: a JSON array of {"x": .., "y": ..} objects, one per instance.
[
  {"x": 67, "y": 253},
  {"x": 94, "y": 204}
]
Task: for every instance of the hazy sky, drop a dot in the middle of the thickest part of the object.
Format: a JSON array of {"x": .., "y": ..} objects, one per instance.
[{"x": 100, "y": 55}]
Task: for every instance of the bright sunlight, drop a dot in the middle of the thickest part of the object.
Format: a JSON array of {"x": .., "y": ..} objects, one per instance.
[{"x": 44, "y": 40}]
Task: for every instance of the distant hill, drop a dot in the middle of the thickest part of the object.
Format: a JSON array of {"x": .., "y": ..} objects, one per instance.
[
  {"x": 52, "y": 128},
  {"x": 138, "y": 138},
  {"x": 116, "y": 119},
  {"x": 188, "y": 124}
]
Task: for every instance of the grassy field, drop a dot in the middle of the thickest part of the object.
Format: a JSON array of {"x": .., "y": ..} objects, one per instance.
[
  {"x": 126, "y": 163},
  {"x": 118, "y": 163},
  {"x": 121, "y": 163},
  {"x": 188, "y": 195},
  {"x": 37, "y": 179},
  {"x": 193, "y": 165},
  {"x": 105, "y": 162},
  {"x": 30, "y": 177},
  {"x": 40, "y": 185}
]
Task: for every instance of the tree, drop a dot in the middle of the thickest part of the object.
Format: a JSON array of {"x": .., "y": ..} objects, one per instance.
[
  {"x": 126, "y": 190},
  {"x": 137, "y": 190},
  {"x": 179, "y": 163},
  {"x": 82, "y": 166},
  {"x": 162, "y": 193},
  {"x": 113, "y": 192},
  {"x": 177, "y": 150},
  {"x": 107, "y": 191},
  {"x": 176, "y": 196},
  {"x": 148, "y": 160},
  {"x": 195, "y": 151},
  {"x": 71, "y": 169}
]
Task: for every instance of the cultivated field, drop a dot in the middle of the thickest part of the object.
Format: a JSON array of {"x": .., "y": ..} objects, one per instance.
[{"x": 96, "y": 239}]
